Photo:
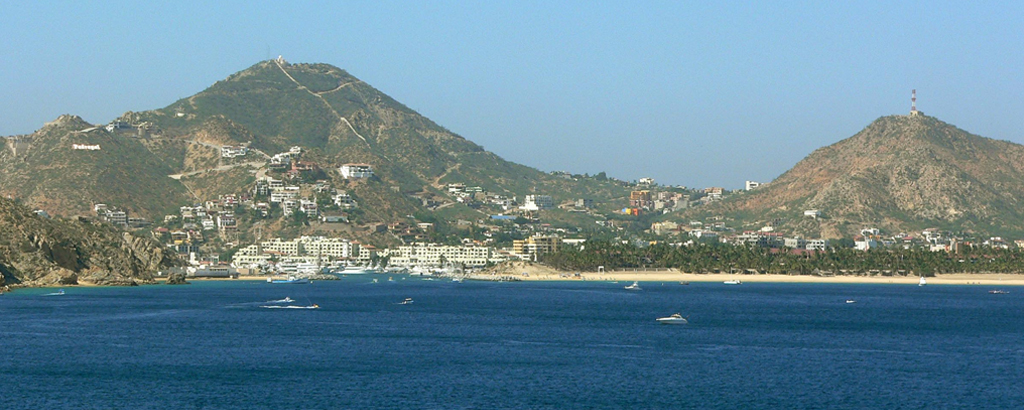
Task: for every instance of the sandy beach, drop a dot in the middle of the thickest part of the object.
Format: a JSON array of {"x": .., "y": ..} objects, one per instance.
[{"x": 536, "y": 272}]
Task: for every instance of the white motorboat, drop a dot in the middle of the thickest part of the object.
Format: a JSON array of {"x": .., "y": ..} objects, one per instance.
[
  {"x": 313, "y": 306},
  {"x": 733, "y": 282},
  {"x": 285, "y": 300},
  {"x": 407, "y": 301},
  {"x": 634, "y": 286},
  {"x": 851, "y": 301},
  {"x": 675, "y": 319},
  {"x": 922, "y": 282}
]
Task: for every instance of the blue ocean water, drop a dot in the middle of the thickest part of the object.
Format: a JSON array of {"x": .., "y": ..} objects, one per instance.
[{"x": 480, "y": 345}]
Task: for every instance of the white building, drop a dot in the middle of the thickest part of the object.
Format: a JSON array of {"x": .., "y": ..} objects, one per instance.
[
  {"x": 752, "y": 184},
  {"x": 812, "y": 213},
  {"x": 432, "y": 254},
  {"x": 537, "y": 202},
  {"x": 351, "y": 171}
]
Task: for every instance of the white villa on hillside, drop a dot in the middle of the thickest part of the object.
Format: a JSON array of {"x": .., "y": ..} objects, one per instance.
[{"x": 351, "y": 171}]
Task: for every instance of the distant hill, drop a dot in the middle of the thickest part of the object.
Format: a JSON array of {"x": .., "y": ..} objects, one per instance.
[
  {"x": 900, "y": 174},
  {"x": 38, "y": 250}
]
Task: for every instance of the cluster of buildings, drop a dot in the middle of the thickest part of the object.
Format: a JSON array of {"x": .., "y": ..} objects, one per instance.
[
  {"x": 325, "y": 251},
  {"x": 643, "y": 201}
]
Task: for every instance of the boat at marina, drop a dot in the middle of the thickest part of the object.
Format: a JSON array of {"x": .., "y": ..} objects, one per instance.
[
  {"x": 922, "y": 282},
  {"x": 675, "y": 319},
  {"x": 634, "y": 286},
  {"x": 733, "y": 282},
  {"x": 354, "y": 270},
  {"x": 291, "y": 280}
]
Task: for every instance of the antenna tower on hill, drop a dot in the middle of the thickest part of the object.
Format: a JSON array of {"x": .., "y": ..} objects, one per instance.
[{"x": 913, "y": 103}]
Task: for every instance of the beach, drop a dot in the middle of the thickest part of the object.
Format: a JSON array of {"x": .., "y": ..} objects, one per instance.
[{"x": 525, "y": 271}]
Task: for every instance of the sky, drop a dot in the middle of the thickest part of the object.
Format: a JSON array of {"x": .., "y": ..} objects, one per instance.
[{"x": 692, "y": 93}]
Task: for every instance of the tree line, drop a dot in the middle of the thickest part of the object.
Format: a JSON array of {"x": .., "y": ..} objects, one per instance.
[{"x": 717, "y": 258}]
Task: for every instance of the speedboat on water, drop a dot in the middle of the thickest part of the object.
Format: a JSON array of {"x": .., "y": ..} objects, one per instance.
[
  {"x": 313, "y": 306},
  {"x": 851, "y": 301},
  {"x": 290, "y": 280},
  {"x": 285, "y": 300},
  {"x": 675, "y": 319},
  {"x": 407, "y": 301},
  {"x": 57, "y": 293},
  {"x": 998, "y": 292},
  {"x": 733, "y": 282},
  {"x": 634, "y": 286}
]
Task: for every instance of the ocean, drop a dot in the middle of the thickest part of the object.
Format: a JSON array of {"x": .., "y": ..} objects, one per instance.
[{"x": 525, "y": 345}]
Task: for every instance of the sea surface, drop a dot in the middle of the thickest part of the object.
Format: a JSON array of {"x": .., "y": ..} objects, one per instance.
[{"x": 537, "y": 345}]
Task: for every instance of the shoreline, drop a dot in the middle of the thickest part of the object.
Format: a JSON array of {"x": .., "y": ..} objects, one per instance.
[
  {"x": 521, "y": 271},
  {"x": 537, "y": 273}
]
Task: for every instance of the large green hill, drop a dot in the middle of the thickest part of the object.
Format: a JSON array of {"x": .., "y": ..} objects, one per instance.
[{"x": 271, "y": 107}]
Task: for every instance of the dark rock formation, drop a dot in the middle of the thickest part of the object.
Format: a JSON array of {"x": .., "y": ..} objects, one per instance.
[{"x": 177, "y": 279}]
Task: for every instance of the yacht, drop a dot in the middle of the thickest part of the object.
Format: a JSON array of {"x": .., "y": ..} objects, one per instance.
[
  {"x": 733, "y": 282},
  {"x": 922, "y": 282},
  {"x": 634, "y": 286},
  {"x": 355, "y": 270},
  {"x": 675, "y": 319},
  {"x": 851, "y": 301},
  {"x": 407, "y": 301}
]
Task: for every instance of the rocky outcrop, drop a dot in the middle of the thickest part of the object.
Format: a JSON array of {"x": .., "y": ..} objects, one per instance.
[
  {"x": 40, "y": 251},
  {"x": 177, "y": 279}
]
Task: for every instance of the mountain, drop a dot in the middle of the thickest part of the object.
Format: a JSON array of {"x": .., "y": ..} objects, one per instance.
[
  {"x": 37, "y": 250},
  {"x": 273, "y": 105},
  {"x": 899, "y": 174}
]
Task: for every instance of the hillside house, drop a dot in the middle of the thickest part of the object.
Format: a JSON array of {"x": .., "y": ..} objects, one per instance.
[{"x": 356, "y": 171}]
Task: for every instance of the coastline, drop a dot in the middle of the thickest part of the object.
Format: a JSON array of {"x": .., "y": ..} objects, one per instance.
[{"x": 540, "y": 273}]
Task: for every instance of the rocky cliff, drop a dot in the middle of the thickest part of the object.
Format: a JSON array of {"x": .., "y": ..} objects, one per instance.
[{"x": 39, "y": 251}]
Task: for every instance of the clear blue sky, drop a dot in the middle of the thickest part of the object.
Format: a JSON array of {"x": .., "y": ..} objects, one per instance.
[{"x": 701, "y": 93}]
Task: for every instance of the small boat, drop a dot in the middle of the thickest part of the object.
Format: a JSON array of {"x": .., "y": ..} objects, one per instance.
[
  {"x": 290, "y": 280},
  {"x": 684, "y": 283},
  {"x": 391, "y": 279},
  {"x": 733, "y": 282},
  {"x": 374, "y": 280},
  {"x": 407, "y": 301},
  {"x": 998, "y": 292},
  {"x": 313, "y": 306},
  {"x": 922, "y": 282},
  {"x": 57, "y": 293},
  {"x": 675, "y": 319},
  {"x": 851, "y": 301},
  {"x": 285, "y": 300},
  {"x": 634, "y": 286}
]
